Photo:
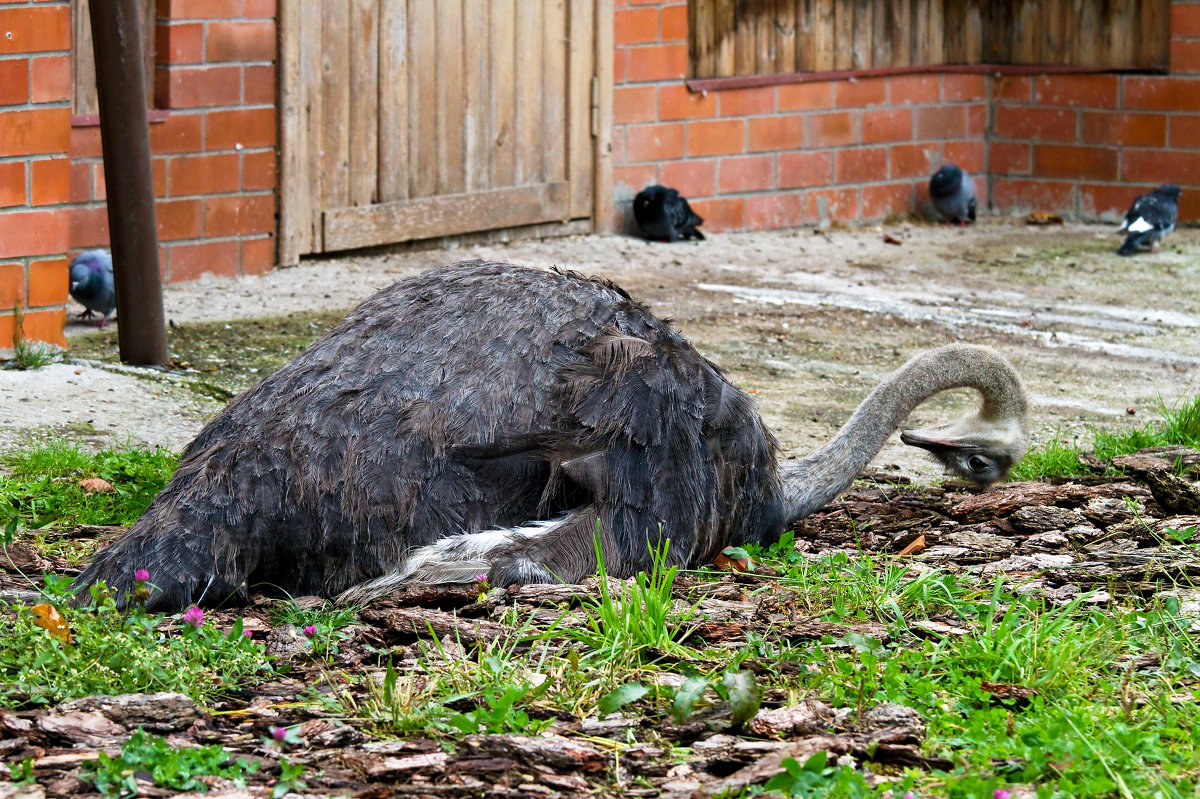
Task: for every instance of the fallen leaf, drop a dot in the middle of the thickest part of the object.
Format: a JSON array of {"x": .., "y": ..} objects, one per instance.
[
  {"x": 1043, "y": 218},
  {"x": 888, "y": 238},
  {"x": 96, "y": 485},
  {"x": 914, "y": 546},
  {"x": 727, "y": 564},
  {"x": 49, "y": 619}
]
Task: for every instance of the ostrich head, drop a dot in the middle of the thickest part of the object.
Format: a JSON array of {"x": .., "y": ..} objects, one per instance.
[{"x": 977, "y": 449}]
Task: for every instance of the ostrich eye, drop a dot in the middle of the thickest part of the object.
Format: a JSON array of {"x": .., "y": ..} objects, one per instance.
[{"x": 978, "y": 464}]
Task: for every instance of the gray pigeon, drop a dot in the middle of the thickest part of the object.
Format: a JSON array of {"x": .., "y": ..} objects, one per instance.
[
  {"x": 92, "y": 284},
  {"x": 953, "y": 194},
  {"x": 1150, "y": 218}
]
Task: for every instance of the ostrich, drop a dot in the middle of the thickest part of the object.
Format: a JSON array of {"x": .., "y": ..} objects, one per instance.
[{"x": 490, "y": 418}]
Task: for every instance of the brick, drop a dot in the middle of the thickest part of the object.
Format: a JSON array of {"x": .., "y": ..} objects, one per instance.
[
  {"x": 1137, "y": 130},
  {"x": 783, "y": 132},
  {"x": 1160, "y": 166},
  {"x": 179, "y": 219},
  {"x": 1035, "y": 122},
  {"x": 258, "y": 171},
  {"x": 35, "y": 30},
  {"x": 747, "y": 102},
  {"x": 260, "y": 9},
  {"x": 259, "y": 85},
  {"x": 88, "y": 227},
  {"x": 51, "y": 78},
  {"x": 635, "y": 104},
  {"x": 12, "y": 288},
  {"x": 12, "y": 183},
  {"x": 14, "y": 81},
  {"x": 635, "y": 26},
  {"x": 194, "y": 87},
  {"x": 47, "y": 282},
  {"x": 1021, "y": 195},
  {"x": 239, "y": 215},
  {"x": 181, "y": 43},
  {"x": 860, "y": 164},
  {"x": 6, "y": 330},
  {"x": 190, "y": 261},
  {"x": 1086, "y": 91},
  {"x": 258, "y": 255},
  {"x": 99, "y": 181},
  {"x": 1189, "y": 207},
  {"x": 970, "y": 155},
  {"x": 775, "y": 210},
  {"x": 835, "y": 129},
  {"x": 797, "y": 170},
  {"x": 203, "y": 174},
  {"x": 914, "y": 89},
  {"x": 1185, "y": 20},
  {"x": 248, "y": 127},
  {"x": 722, "y": 213},
  {"x": 1013, "y": 88},
  {"x": 45, "y": 326},
  {"x": 813, "y": 96},
  {"x": 692, "y": 178},
  {"x": 1069, "y": 161},
  {"x": 158, "y": 176},
  {"x": 1165, "y": 93},
  {"x": 886, "y": 199},
  {"x": 657, "y": 62},
  {"x": 676, "y": 102},
  {"x": 240, "y": 41},
  {"x": 1185, "y": 56},
  {"x": 178, "y": 133},
  {"x": 199, "y": 9},
  {"x": 716, "y": 137},
  {"x": 34, "y": 131},
  {"x": 1107, "y": 200},
  {"x": 635, "y": 177},
  {"x": 915, "y": 160},
  {"x": 887, "y": 125},
  {"x": 941, "y": 122},
  {"x": 856, "y": 93},
  {"x": 1185, "y": 130},
  {"x": 656, "y": 142},
  {"x": 841, "y": 204},
  {"x": 50, "y": 181},
  {"x": 673, "y": 23},
  {"x": 621, "y": 65},
  {"x": 746, "y": 173},
  {"x": 81, "y": 182},
  {"x": 25, "y": 233},
  {"x": 977, "y": 119},
  {"x": 958, "y": 87},
  {"x": 1009, "y": 158},
  {"x": 85, "y": 141}
]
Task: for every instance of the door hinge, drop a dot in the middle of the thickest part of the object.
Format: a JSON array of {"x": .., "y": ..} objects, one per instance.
[{"x": 595, "y": 106}]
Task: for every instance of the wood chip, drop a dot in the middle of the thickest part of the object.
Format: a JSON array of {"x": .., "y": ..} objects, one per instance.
[{"x": 915, "y": 546}]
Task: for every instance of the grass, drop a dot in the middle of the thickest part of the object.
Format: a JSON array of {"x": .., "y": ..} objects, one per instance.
[
  {"x": 29, "y": 354},
  {"x": 182, "y": 769}
]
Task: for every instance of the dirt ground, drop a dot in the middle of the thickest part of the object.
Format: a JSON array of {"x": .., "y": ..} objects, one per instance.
[{"x": 808, "y": 321}]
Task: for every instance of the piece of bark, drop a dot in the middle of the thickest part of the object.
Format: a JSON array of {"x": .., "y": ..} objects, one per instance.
[
  {"x": 1043, "y": 518},
  {"x": 1173, "y": 493},
  {"x": 417, "y": 622},
  {"x": 390, "y": 767},
  {"x": 82, "y": 728},
  {"x": 21, "y": 558},
  {"x": 553, "y": 751},
  {"x": 161, "y": 712}
]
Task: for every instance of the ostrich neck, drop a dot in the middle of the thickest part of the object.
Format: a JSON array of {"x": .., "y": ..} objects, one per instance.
[{"x": 811, "y": 482}]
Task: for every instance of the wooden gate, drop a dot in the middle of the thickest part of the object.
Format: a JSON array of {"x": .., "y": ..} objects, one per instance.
[{"x": 410, "y": 120}]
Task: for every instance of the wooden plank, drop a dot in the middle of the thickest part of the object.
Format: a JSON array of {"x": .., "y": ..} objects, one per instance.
[
  {"x": 604, "y": 212},
  {"x": 843, "y": 34},
  {"x": 334, "y": 132},
  {"x": 864, "y": 34},
  {"x": 1154, "y": 35},
  {"x": 422, "y": 99},
  {"x": 450, "y": 81},
  {"x": 919, "y": 40},
  {"x": 580, "y": 158},
  {"x": 1117, "y": 19},
  {"x": 765, "y": 54},
  {"x": 700, "y": 39},
  {"x": 881, "y": 37},
  {"x": 954, "y": 32},
  {"x": 364, "y": 108},
  {"x": 806, "y": 25},
  {"x": 393, "y": 101},
  {"x": 785, "y": 35},
  {"x": 824, "y": 41},
  {"x": 1050, "y": 34},
  {"x": 554, "y": 91},
  {"x": 447, "y": 215},
  {"x": 998, "y": 34},
  {"x": 295, "y": 191},
  {"x": 1088, "y": 43},
  {"x": 83, "y": 58},
  {"x": 529, "y": 130},
  {"x": 973, "y": 27},
  {"x": 745, "y": 29},
  {"x": 902, "y": 32},
  {"x": 503, "y": 111},
  {"x": 477, "y": 100},
  {"x": 937, "y": 17},
  {"x": 725, "y": 33}
]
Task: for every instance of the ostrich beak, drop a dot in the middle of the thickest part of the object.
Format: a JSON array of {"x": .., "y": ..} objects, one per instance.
[{"x": 936, "y": 441}]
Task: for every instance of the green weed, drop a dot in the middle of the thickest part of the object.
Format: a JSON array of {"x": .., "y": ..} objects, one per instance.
[
  {"x": 180, "y": 769},
  {"x": 322, "y": 625}
]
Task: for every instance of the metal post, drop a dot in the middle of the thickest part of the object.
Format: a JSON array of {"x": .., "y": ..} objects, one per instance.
[{"x": 125, "y": 138}]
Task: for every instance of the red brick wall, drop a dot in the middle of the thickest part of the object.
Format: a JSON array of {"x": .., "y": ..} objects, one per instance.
[
  {"x": 1084, "y": 145},
  {"x": 35, "y": 90}
]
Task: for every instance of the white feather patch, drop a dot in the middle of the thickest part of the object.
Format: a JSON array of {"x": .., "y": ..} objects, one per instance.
[{"x": 1140, "y": 225}]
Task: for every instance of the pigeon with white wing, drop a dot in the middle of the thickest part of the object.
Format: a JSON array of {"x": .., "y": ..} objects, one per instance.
[{"x": 1151, "y": 217}]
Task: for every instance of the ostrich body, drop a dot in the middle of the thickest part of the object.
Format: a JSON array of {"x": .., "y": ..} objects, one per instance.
[{"x": 490, "y": 418}]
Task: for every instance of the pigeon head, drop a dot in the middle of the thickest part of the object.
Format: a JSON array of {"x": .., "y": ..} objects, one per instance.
[
  {"x": 946, "y": 181},
  {"x": 1169, "y": 190},
  {"x": 88, "y": 269}
]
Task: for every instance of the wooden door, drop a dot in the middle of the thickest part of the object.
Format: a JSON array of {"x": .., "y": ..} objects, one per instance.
[{"x": 410, "y": 119}]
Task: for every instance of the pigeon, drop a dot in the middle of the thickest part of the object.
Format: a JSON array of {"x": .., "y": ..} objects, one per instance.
[
  {"x": 1150, "y": 218},
  {"x": 953, "y": 194},
  {"x": 662, "y": 215},
  {"x": 92, "y": 284}
]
